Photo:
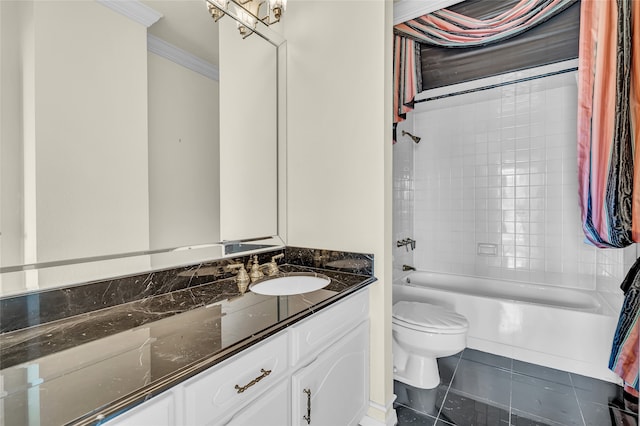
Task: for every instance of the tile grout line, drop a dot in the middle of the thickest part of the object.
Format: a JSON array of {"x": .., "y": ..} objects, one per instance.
[
  {"x": 444, "y": 400},
  {"x": 577, "y": 399},
  {"x": 510, "y": 391}
]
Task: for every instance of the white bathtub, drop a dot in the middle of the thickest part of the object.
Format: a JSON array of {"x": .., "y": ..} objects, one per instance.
[{"x": 556, "y": 327}]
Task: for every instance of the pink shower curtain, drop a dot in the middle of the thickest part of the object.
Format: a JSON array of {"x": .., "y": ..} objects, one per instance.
[
  {"x": 405, "y": 78},
  {"x": 609, "y": 155},
  {"x": 608, "y": 122}
]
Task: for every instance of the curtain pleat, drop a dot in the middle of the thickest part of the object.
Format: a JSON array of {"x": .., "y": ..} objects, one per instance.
[
  {"x": 607, "y": 122},
  {"x": 634, "y": 111},
  {"x": 406, "y": 66},
  {"x": 449, "y": 29},
  {"x": 624, "y": 350}
]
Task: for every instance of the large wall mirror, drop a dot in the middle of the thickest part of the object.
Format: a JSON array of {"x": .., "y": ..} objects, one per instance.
[{"x": 125, "y": 148}]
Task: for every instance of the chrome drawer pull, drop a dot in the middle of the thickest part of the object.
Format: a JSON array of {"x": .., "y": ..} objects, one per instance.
[
  {"x": 308, "y": 416},
  {"x": 264, "y": 374}
]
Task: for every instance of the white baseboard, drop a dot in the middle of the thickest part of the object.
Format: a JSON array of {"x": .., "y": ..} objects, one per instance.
[
  {"x": 369, "y": 421},
  {"x": 389, "y": 413}
]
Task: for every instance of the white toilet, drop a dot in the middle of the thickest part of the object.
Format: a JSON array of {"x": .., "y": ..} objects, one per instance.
[{"x": 422, "y": 333}]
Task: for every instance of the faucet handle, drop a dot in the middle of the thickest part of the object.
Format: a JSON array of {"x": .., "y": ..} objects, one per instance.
[
  {"x": 242, "y": 273},
  {"x": 233, "y": 266},
  {"x": 272, "y": 267}
]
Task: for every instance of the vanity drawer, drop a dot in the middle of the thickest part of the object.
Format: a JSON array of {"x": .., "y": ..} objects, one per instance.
[
  {"x": 325, "y": 327},
  {"x": 210, "y": 396}
]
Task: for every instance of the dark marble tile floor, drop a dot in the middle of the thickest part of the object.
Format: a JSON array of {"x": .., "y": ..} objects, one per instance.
[{"x": 482, "y": 389}]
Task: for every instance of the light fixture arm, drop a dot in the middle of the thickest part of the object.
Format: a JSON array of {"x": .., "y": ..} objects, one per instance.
[{"x": 247, "y": 12}]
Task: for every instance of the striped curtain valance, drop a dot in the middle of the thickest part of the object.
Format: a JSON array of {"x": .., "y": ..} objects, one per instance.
[
  {"x": 450, "y": 29},
  {"x": 609, "y": 122}
]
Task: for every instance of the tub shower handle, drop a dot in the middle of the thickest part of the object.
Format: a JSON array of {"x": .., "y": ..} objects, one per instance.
[
  {"x": 406, "y": 243},
  {"x": 308, "y": 416},
  {"x": 264, "y": 374}
]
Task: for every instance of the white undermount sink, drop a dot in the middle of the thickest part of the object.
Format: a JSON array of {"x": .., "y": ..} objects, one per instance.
[{"x": 290, "y": 284}]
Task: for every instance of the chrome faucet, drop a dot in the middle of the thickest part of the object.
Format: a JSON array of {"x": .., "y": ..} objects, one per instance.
[
  {"x": 407, "y": 242},
  {"x": 408, "y": 268}
]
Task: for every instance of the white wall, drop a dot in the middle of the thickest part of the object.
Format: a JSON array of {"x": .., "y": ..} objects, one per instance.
[
  {"x": 339, "y": 148},
  {"x": 84, "y": 52},
  {"x": 184, "y": 154},
  {"x": 499, "y": 167}
]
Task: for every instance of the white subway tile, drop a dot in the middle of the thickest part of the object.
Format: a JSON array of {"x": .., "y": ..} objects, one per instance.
[
  {"x": 508, "y": 180},
  {"x": 494, "y": 181},
  {"x": 507, "y": 174}
]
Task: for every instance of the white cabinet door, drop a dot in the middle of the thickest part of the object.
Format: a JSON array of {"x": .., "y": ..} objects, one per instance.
[
  {"x": 159, "y": 411},
  {"x": 271, "y": 409},
  {"x": 324, "y": 328},
  {"x": 333, "y": 390}
]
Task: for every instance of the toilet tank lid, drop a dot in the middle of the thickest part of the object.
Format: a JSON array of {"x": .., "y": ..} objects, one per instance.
[{"x": 428, "y": 315}]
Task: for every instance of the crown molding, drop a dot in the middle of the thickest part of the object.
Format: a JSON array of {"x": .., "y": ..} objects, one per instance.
[
  {"x": 404, "y": 10},
  {"x": 134, "y": 10},
  {"x": 182, "y": 57}
]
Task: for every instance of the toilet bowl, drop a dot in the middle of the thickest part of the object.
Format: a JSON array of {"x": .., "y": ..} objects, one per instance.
[{"x": 423, "y": 332}]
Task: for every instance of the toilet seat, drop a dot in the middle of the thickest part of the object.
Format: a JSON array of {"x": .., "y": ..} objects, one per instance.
[{"x": 428, "y": 318}]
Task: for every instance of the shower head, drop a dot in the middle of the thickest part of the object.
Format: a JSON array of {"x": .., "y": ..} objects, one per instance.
[{"x": 416, "y": 139}]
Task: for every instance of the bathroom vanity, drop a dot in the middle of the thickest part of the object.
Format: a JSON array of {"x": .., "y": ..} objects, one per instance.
[
  {"x": 199, "y": 353},
  {"x": 316, "y": 369}
]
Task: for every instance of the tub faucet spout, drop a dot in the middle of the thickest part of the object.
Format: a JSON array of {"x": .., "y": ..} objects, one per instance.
[{"x": 408, "y": 268}]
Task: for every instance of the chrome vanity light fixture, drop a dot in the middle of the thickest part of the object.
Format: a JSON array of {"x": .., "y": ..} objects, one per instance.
[{"x": 248, "y": 12}]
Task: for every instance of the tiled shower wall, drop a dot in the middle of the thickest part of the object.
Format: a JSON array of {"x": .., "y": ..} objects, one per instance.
[
  {"x": 403, "y": 196},
  {"x": 492, "y": 191}
]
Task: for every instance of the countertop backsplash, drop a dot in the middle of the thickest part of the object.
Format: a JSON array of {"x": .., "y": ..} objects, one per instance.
[{"x": 38, "y": 308}]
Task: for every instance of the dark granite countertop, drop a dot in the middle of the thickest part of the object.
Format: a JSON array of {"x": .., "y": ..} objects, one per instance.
[{"x": 95, "y": 364}]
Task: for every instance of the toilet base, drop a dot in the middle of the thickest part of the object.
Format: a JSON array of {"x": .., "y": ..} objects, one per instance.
[{"x": 419, "y": 372}]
